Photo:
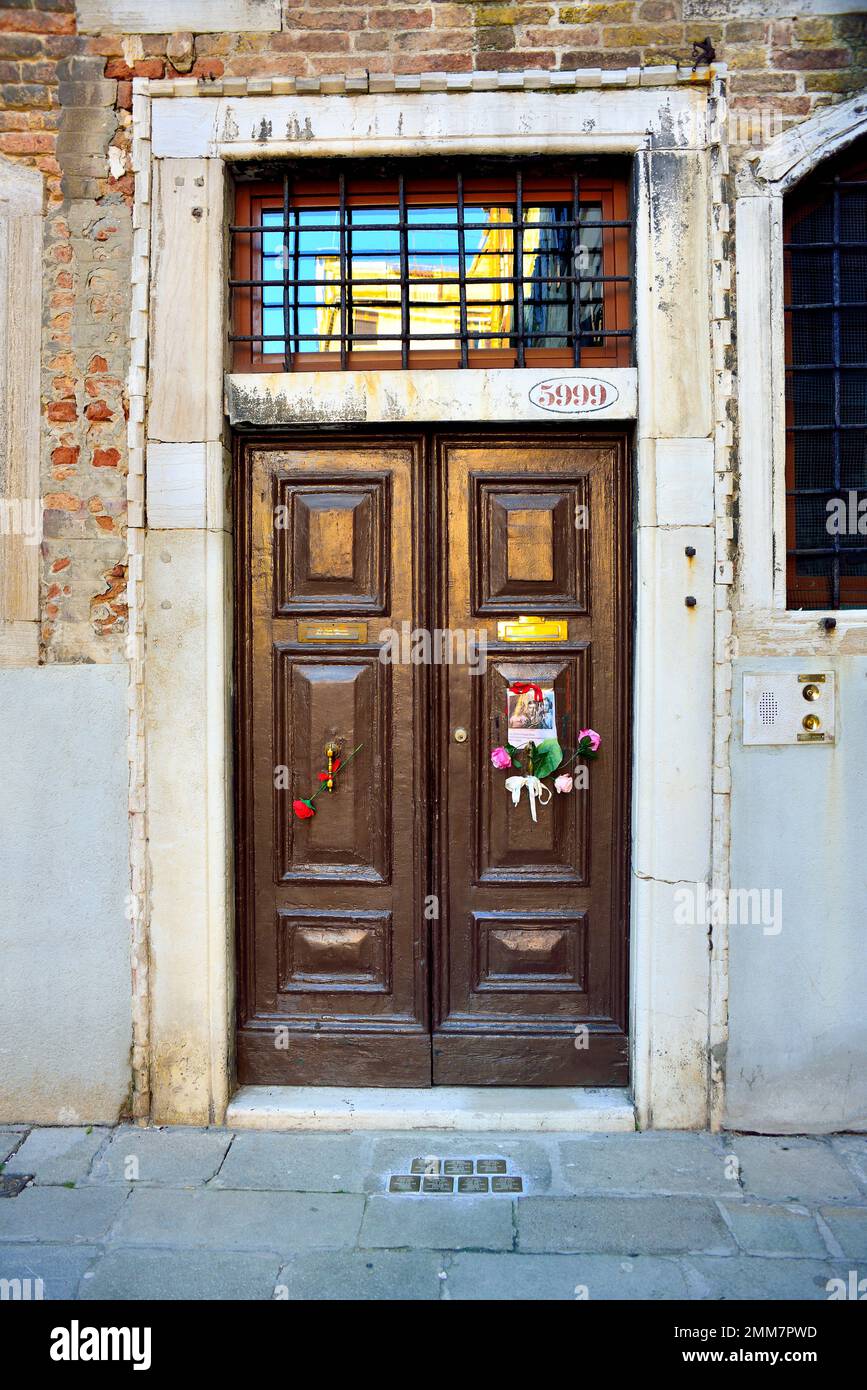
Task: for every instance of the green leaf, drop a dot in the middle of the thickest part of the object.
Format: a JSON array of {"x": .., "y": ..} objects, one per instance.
[{"x": 547, "y": 757}]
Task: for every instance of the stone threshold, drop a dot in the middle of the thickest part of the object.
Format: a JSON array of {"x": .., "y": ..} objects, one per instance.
[{"x": 483, "y": 1108}]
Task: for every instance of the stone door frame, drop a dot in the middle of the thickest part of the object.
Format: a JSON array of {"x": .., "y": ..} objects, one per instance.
[{"x": 182, "y": 403}]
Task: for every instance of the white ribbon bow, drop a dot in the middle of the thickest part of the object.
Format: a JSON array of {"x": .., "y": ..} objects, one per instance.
[{"x": 535, "y": 788}]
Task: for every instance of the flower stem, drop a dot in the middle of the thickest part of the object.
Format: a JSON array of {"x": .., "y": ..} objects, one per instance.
[{"x": 343, "y": 764}]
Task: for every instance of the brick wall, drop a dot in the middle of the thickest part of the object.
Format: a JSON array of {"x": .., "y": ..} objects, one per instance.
[{"x": 65, "y": 101}]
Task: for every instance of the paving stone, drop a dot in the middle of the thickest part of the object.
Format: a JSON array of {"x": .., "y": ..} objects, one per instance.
[
  {"x": 60, "y": 1214},
  {"x": 182, "y": 1274},
  {"x": 751, "y": 1277},
  {"x": 60, "y": 1267},
  {"x": 621, "y": 1225},
  {"x": 405, "y": 1275},
  {"x": 437, "y": 1223},
  {"x": 534, "y": 1160},
  {"x": 849, "y": 1226},
  {"x": 649, "y": 1162},
  {"x": 279, "y": 1221},
  {"x": 295, "y": 1162},
  {"x": 9, "y": 1141},
  {"x": 58, "y": 1155},
  {"x": 562, "y": 1277},
  {"x": 167, "y": 1157},
  {"x": 795, "y": 1169},
  {"x": 852, "y": 1148},
  {"x": 777, "y": 1230}
]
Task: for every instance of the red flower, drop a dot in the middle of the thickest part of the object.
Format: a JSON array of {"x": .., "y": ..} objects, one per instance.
[{"x": 303, "y": 809}]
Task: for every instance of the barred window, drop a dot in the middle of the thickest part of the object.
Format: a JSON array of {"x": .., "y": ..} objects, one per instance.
[
  {"x": 825, "y": 238},
  {"x": 402, "y": 265}
]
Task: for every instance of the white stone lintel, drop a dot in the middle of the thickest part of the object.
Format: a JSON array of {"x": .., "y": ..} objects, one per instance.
[{"x": 488, "y": 395}]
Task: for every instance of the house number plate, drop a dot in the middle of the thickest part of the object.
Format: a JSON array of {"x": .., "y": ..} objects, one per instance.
[{"x": 573, "y": 395}]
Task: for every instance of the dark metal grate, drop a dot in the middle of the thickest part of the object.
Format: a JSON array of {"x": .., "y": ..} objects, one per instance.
[
  {"x": 522, "y": 271},
  {"x": 826, "y": 388}
]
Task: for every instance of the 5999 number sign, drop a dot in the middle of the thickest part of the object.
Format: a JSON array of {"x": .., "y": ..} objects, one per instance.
[{"x": 573, "y": 395}]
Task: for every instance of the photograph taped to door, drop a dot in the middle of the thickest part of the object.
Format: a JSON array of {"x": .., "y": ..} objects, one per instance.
[{"x": 531, "y": 714}]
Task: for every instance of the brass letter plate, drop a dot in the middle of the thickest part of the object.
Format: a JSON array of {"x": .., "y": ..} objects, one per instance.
[
  {"x": 524, "y": 629},
  {"x": 332, "y": 632}
]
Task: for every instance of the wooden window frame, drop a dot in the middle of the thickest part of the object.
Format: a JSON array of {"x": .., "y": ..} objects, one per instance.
[{"x": 256, "y": 197}]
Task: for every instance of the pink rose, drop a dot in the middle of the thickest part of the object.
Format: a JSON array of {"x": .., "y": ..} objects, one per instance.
[
  {"x": 500, "y": 758},
  {"x": 592, "y": 735},
  {"x": 563, "y": 783}
]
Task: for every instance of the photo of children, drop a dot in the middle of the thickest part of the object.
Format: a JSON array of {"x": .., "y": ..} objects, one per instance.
[{"x": 531, "y": 714}]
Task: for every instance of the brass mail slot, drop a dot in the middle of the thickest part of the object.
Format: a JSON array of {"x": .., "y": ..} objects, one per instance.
[
  {"x": 526, "y": 629},
  {"x": 332, "y": 632}
]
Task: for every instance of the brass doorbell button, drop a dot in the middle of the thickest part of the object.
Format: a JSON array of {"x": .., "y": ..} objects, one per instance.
[
  {"x": 811, "y": 692},
  {"x": 811, "y": 721}
]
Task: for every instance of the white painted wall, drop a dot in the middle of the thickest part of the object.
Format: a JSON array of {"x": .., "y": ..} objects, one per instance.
[
  {"x": 797, "y": 1021},
  {"x": 64, "y": 939}
]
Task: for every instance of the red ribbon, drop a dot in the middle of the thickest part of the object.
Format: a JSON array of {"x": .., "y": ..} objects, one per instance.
[{"x": 521, "y": 688}]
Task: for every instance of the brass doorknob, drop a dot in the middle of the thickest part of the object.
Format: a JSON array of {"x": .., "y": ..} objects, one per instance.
[{"x": 460, "y": 735}]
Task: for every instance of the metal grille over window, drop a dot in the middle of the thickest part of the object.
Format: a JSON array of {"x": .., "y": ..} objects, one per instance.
[
  {"x": 826, "y": 386},
  {"x": 403, "y": 267}
]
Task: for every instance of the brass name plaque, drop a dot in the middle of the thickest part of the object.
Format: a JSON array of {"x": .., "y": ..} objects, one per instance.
[
  {"x": 332, "y": 632},
  {"x": 526, "y": 629}
]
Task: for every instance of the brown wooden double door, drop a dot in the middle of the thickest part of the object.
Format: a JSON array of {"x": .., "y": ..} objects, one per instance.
[{"x": 420, "y": 928}]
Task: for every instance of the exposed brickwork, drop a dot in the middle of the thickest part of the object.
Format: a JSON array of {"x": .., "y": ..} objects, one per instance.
[{"x": 65, "y": 103}]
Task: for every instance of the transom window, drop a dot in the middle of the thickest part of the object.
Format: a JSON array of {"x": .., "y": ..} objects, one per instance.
[
  {"x": 406, "y": 265},
  {"x": 826, "y": 386}
]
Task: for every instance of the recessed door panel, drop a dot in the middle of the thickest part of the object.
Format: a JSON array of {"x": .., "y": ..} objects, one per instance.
[
  {"x": 332, "y": 544},
  {"x": 319, "y": 698},
  {"x": 512, "y": 847}
]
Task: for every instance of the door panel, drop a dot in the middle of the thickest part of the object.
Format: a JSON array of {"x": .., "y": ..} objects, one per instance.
[
  {"x": 335, "y": 977},
  {"x": 511, "y": 847},
  {"x": 530, "y": 966},
  {"x": 315, "y": 698},
  {"x": 347, "y": 974}
]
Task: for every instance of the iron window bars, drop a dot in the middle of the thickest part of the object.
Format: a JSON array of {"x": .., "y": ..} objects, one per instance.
[
  {"x": 826, "y": 386},
  {"x": 450, "y": 268}
]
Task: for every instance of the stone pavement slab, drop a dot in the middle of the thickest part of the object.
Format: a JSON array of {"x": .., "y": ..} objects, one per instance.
[
  {"x": 181, "y": 1274},
  {"x": 60, "y": 1267},
  {"x": 562, "y": 1277},
  {"x": 60, "y": 1214},
  {"x": 407, "y": 1275},
  {"x": 852, "y": 1148},
  {"x": 774, "y": 1230},
  {"x": 9, "y": 1141},
  {"x": 650, "y": 1162},
  {"x": 58, "y": 1155},
  {"x": 621, "y": 1225},
  {"x": 848, "y": 1225},
  {"x": 747, "y": 1277},
  {"x": 202, "y": 1217},
  {"x": 792, "y": 1169},
  {"x": 437, "y": 1223},
  {"x": 170, "y": 1157},
  {"x": 295, "y": 1162}
]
